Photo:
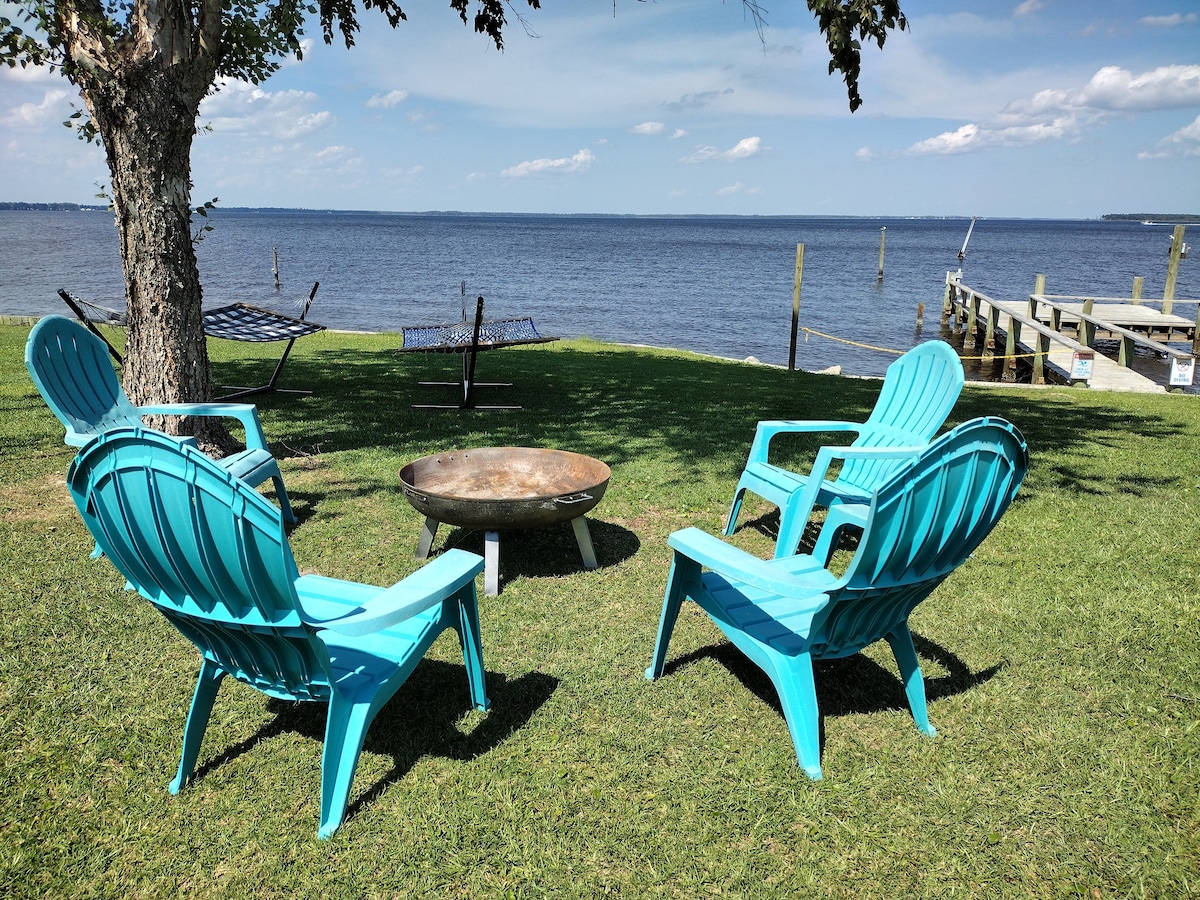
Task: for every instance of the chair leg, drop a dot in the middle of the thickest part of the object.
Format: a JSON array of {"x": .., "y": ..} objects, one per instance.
[
  {"x": 734, "y": 509},
  {"x": 345, "y": 731},
  {"x": 205, "y": 695},
  {"x": 285, "y": 506},
  {"x": 676, "y": 580},
  {"x": 900, "y": 639},
  {"x": 793, "y": 679},
  {"x": 791, "y": 525},
  {"x": 472, "y": 646}
]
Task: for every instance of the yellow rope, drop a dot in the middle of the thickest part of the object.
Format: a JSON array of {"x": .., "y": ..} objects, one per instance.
[{"x": 994, "y": 356}]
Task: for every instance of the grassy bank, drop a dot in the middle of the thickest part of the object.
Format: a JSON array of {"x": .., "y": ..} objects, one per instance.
[{"x": 1061, "y": 664}]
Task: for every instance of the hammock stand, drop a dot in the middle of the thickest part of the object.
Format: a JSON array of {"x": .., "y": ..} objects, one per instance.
[
  {"x": 469, "y": 339},
  {"x": 236, "y": 322}
]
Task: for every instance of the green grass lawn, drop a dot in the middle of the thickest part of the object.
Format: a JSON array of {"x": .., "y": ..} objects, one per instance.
[{"x": 1061, "y": 664}]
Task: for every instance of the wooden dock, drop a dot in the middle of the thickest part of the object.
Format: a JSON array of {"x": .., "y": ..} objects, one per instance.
[{"x": 1056, "y": 335}]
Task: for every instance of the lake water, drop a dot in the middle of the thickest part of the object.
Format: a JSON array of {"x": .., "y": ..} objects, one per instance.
[{"x": 716, "y": 285}]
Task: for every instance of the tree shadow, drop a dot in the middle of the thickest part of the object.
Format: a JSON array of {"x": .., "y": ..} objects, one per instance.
[
  {"x": 419, "y": 720},
  {"x": 614, "y": 404}
]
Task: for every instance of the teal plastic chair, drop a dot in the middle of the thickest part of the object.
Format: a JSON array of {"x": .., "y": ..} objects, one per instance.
[
  {"x": 211, "y": 554},
  {"x": 783, "y": 613},
  {"x": 919, "y": 391},
  {"x": 74, "y": 375}
]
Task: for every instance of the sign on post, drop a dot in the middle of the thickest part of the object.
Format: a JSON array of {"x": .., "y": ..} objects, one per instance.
[
  {"x": 1183, "y": 371},
  {"x": 1081, "y": 365}
]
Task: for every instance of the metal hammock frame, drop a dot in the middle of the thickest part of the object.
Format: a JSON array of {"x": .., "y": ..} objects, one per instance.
[
  {"x": 469, "y": 339},
  {"x": 235, "y": 322}
]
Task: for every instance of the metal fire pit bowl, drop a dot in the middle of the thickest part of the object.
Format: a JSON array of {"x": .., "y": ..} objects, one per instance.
[{"x": 496, "y": 488}]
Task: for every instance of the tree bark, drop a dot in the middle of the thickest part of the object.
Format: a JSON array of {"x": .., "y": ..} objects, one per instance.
[{"x": 143, "y": 94}]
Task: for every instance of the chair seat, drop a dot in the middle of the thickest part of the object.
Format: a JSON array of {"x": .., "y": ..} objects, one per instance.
[
  {"x": 252, "y": 466},
  {"x": 777, "y": 485}
]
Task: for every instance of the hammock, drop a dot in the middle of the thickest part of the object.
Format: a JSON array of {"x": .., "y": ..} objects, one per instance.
[
  {"x": 236, "y": 322},
  {"x": 468, "y": 339}
]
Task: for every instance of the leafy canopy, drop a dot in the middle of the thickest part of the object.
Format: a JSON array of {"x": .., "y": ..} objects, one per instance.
[{"x": 255, "y": 35}]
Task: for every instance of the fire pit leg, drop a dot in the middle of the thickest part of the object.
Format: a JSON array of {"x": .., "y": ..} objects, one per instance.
[
  {"x": 584, "y": 538},
  {"x": 425, "y": 541},
  {"x": 491, "y": 563}
]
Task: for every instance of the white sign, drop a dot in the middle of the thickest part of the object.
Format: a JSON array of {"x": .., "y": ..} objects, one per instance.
[
  {"x": 1183, "y": 371},
  {"x": 1081, "y": 365}
]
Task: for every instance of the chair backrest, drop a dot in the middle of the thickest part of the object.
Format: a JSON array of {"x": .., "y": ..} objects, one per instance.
[
  {"x": 207, "y": 550},
  {"x": 919, "y": 391},
  {"x": 923, "y": 523},
  {"x": 73, "y": 373}
]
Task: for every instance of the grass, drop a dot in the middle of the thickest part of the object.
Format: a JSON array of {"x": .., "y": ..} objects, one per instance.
[{"x": 1061, "y": 664}]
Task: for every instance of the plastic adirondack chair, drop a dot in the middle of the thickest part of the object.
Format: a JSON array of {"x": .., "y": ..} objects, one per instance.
[
  {"x": 71, "y": 369},
  {"x": 919, "y": 390},
  {"x": 784, "y": 613},
  {"x": 211, "y": 554}
]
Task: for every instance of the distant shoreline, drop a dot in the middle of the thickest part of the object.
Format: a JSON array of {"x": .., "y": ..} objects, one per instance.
[{"x": 1154, "y": 218}]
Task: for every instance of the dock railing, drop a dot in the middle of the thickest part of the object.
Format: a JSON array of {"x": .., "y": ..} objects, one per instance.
[
  {"x": 967, "y": 307},
  {"x": 1033, "y": 329},
  {"x": 1090, "y": 325}
]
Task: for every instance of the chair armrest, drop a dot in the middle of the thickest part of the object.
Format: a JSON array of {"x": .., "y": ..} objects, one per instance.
[
  {"x": 768, "y": 429},
  {"x": 425, "y": 588},
  {"x": 246, "y": 413},
  {"x": 738, "y": 565}
]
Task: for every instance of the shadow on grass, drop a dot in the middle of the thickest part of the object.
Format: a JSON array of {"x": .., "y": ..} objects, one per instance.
[
  {"x": 420, "y": 720},
  {"x": 854, "y": 685},
  {"x": 615, "y": 404},
  {"x": 548, "y": 552}
]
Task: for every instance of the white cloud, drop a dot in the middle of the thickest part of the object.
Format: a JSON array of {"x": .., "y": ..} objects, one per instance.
[
  {"x": 242, "y": 108},
  {"x": 1056, "y": 113},
  {"x": 1184, "y": 142},
  {"x": 736, "y": 188},
  {"x": 1028, "y": 8},
  {"x": 1114, "y": 88},
  {"x": 1171, "y": 21},
  {"x": 679, "y": 133},
  {"x": 27, "y": 116},
  {"x": 388, "y": 100},
  {"x": 743, "y": 149},
  {"x": 563, "y": 165},
  {"x": 648, "y": 128}
]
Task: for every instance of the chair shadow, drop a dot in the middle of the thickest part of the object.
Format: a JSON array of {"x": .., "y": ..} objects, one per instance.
[
  {"x": 418, "y": 721},
  {"x": 851, "y": 685}
]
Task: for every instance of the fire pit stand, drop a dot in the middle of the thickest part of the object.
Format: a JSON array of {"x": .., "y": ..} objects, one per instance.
[{"x": 497, "y": 488}]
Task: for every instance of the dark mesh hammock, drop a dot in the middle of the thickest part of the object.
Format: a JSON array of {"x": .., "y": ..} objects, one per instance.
[{"x": 468, "y": 338}]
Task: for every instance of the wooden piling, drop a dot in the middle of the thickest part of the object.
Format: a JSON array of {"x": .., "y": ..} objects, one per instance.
[
  {"x": 1138, "y": 284},
  {"x": 882, "y": 241},
  {"x": 1173, "y": 269},
  {"x": 275, "y": 265},
  {"x": 796, "y": 306}
]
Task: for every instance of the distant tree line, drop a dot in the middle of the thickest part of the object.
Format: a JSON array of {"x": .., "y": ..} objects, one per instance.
[
  {"x": 1160, "y": 218},
  {"x": 68, "y": 207}
]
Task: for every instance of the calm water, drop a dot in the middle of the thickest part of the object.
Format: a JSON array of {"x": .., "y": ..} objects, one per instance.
[{"x": 718, "y": 285}]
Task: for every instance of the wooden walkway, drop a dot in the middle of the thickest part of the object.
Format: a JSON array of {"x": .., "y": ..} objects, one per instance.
[{"x": 1056, "y": 335}]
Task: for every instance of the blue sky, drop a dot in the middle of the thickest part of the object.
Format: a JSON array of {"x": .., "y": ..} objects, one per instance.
[{"x": 1038, "y": 108}]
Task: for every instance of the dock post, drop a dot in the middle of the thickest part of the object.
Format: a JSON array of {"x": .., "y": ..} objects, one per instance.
[
  {"x": 1173, "y": 269},
  {"x": 796, "y": 306},
  {"x": 882, "y": 239},
  {"x": 275, "y": 265},
  {"x": 947, "y": 298},
  {"x": 1138, "y": 284}
]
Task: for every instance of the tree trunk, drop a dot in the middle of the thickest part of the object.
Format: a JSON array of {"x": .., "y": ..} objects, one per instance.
[{"x": 144, "y": 99}]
